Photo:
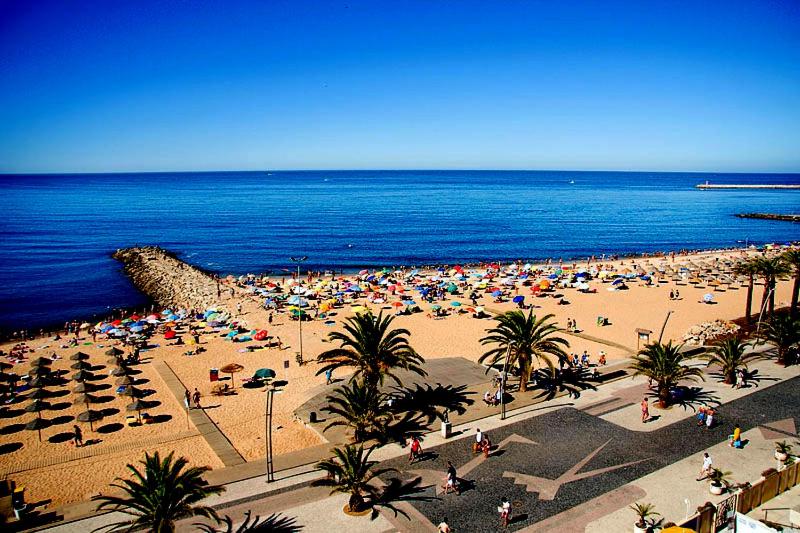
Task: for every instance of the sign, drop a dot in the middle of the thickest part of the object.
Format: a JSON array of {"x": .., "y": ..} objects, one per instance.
[{"x": 745, "y": 524}]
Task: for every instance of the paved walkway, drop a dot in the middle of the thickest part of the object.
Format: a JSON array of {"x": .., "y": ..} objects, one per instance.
[{"x": 218, "y": 442}]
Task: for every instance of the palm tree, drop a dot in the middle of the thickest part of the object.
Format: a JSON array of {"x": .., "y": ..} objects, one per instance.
[
  {"x": 783, "y": 333},
  {"x": 361, "y": 407},
  {"x": 730, "y": 356},
  {"x": 792, "y": 258},
  {"x": 770, "y": 269},
  {"x": 160, "y": 495},
  {"x": 523, "y": 339},
  {"x": 663, "y": 363},
  {"x": 350, "y": 472},
  {"x": 748, "y": 268},
  {"x": 373, "y": 349}
]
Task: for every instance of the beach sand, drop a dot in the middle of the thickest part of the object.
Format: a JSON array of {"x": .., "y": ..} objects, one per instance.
[{"x": 60, "y": 472}]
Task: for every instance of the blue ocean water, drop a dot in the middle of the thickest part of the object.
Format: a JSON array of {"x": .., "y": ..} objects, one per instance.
[{"x": 57, "y": 231}]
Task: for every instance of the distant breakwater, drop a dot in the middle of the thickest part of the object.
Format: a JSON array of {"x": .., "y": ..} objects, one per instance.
[
  {"x": 170, "y": 282},
  {"x": 743, "y": 186},
  {"x": 770, "y": 216}
]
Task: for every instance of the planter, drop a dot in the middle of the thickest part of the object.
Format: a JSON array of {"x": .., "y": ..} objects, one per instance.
[
  {"x": 780, "y": 456},
  {"x": 716, "y": 489},
  {"x": 637, "y": 529}
]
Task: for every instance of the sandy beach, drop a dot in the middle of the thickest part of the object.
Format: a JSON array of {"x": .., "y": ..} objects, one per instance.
[{"x": 56, "y": 470}]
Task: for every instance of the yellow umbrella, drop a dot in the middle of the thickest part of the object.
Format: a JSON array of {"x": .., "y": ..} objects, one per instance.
[
  {"x": 678, "y": 529},
  {"x": 358, "y": 309}
]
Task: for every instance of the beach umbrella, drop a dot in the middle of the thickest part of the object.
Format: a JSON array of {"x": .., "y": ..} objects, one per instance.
[
  {"x": 409, "y": 302},
  {"x": 80, "y": 365},
  {"x": 82, "y": 375},
  {"x": 455, "y": 304},
  {"x": 436, "y": 307},
  {"x": 84, "y": 399},
  {"x": 131, "y": 391},
  {"x": 137, "y": 405},
  {"x": 708, "y": 297},
  {"x": 479, "y": 309},
  {"x": 37, "y": 424},
  {"x": 80, "y": 356},
  {"x": 37, "y": 406},
  {"x": 124, "y": 380},
  {"x": 90, "y": 416},
  {"x": 264, "y": 373},
  {"x": 677, "y": 529},
  {"x": 38, "y": 371},
  {"x": 113, "y": 360},
  {"x": 114, "y": 351},
  {"x": 231, "y": 369},
  {"x": 37, "y": 382},
  {"x": 496, "y": 293},
  {"x": 83, "y": 387},
  {"x": 397, "y": 304},
  {"x": 518, "y": 299},
  {"x": 38, "y": 394},
  {"x": 120, "y": 371},
  {"x": 41, "y": 361}
]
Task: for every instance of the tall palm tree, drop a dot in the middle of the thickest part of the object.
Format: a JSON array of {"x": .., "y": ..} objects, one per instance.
[
  {"x": 361, "y": 407},
  {"x": 792, "y": 258},
  {"x": 373, "y": 349},
  {"x": 523, "y": 339},
  {"x": 663, "y": 363},
  {"x": 729, "y": 355},
  {"x": 782, "y": 332},
  {"x": 163, "y": 493},
  {"x": 770, "y": 269},
  {"x": 350, "y": 472},
  {"x": 748, "y": 268}
]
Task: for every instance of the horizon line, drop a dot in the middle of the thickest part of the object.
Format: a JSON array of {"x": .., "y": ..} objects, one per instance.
[{"x": 299, "y": 170}]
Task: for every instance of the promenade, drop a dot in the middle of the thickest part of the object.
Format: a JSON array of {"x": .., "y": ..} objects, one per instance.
[{"x": 569, "y": 464}]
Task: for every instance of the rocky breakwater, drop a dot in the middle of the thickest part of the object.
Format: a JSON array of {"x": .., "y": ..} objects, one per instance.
[
  {"x": 167, "y": 280},
  {"x": 702, "y": 334}
]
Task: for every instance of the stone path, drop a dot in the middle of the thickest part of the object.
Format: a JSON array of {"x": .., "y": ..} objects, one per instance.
[
  {"x": 218, "y": 442},
  {"x": 567, "y": 459}
]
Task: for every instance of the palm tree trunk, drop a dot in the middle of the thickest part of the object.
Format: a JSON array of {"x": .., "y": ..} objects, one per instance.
[
  {"x": 764, "y": 296},
  {"x": 663, "y": 396},
  {"x": 524, "y": 372},
  {"x": 749, "y": 304},
  {"x": 771, "y": 296},
  {"x": 795, "y": 293}
]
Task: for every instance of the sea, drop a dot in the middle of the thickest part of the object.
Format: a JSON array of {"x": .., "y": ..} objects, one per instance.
[{"x": 57, "y": 232}]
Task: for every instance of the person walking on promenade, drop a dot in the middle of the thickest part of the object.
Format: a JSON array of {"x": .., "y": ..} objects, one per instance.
[
  {"x": 77, "y": 436},
  {"x": 416, "y": 450},
  {"x": 645, "y": 410},
  {"x": 329, "y": 376},
  {"x": 505, "y": 511},
  {"x": 443, "y": 527},
  {"x": 705, "y": 471},
  {"x": 187, "y": 399},
  {"x": 196, "y": 398},
  {"x": 451, "y": 481}
]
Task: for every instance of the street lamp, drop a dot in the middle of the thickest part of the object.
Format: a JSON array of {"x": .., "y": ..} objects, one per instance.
[
  {"x": 299, "y": 260},
  {"x": 271, "y": 390}
]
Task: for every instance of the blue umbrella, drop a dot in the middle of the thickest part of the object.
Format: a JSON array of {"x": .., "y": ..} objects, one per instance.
[
  {"x": 518, "y": 299},
  {"x": 409, "y": 302},
  {"x": 497, "y": 293},
  {"x": 618, "y": 281},
  {"x": 553, "y": 276}
]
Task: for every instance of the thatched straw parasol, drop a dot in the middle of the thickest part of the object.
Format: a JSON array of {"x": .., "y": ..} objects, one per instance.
[
  {"x": 80, "y": 356},
  {"x": 80, "y": 365},
  {"x": 90, "y": 416},
  {"x": 231, "y": 369},
  {"x": 82, "y": 375},
  {"x": 37, "y": 424}
]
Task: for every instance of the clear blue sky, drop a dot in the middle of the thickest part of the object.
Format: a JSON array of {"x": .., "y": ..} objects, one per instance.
[{"x": 194, "y": 85}]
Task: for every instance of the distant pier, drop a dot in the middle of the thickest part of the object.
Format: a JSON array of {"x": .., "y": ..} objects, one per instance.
[
  {"x": 770, "y": 216},
  {"x": 707, "y": 185}
]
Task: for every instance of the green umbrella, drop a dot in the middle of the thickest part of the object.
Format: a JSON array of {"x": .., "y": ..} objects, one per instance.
[{"x": 264, "y": 373}]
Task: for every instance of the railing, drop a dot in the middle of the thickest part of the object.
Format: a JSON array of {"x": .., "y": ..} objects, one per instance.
[{"x": 711, "y": 518}]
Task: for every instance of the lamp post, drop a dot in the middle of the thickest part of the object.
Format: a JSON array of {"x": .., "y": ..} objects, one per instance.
[
  {"x": 270, "y": 466},
  {"x": 299, "y": 260}
]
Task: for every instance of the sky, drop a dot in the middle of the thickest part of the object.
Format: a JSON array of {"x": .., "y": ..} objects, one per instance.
[{"x": 235, "y": 85}]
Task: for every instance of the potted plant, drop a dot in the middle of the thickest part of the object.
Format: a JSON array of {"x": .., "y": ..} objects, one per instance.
[
  {"x": 720, "y": 481},
  {"x": 782, "y": 450},
  {"x": 643, "y": 511}
]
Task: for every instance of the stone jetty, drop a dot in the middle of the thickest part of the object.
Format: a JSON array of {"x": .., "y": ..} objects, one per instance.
[
  {"x": 712, "y": 186},
  {"x": 770, "y": 216},
  {"x": 167, "y": 280}
]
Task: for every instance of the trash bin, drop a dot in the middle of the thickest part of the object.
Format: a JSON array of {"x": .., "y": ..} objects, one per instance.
[
  {"x": 213, "y": 374},
  {"x": 312, "y": 417},
  {"x": 447, "y": 429}
]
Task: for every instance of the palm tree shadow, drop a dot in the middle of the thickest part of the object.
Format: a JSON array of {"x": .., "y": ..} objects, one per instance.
[
  {"x": 755, "y": 378},
  {"x": 691, "y": 397},
  {"x": 426, "y": 401},
  {"x": 274, "y": 523},
  {"x": 570, "y": 380},
  {"x": 397, "y": 491}
]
